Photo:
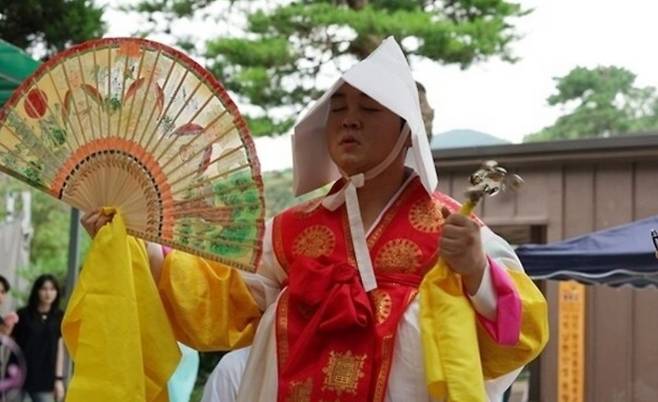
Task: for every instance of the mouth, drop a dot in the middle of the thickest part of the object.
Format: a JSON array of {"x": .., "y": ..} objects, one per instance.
[{"x": 349, "y": 139}]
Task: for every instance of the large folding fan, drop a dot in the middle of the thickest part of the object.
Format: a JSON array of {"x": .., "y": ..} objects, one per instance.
[{"x": 136, "y": 125}]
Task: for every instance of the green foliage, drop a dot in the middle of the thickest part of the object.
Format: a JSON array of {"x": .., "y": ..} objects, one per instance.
[
  {"x": 179, "y": 8},
  {"x": 50, "y": 242},
  {"x": 605, "y": 103},
  {"x": 265, "y": 125},
  {"x": 278, "y": 192},
  {"x": 53, "y": 24},
  {"x": 273, "y": 61}
]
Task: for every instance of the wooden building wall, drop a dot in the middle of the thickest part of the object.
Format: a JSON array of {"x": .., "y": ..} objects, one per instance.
[{"x": 566, "y": 197}]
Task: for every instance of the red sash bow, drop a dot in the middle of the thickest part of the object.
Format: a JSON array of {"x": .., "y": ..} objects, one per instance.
[{"x": 332, "y": 344}]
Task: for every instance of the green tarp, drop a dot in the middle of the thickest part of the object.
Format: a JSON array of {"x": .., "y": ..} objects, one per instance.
[{"x": 15, "y": 66}]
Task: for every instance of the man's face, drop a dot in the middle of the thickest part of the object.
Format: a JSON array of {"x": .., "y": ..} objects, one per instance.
[{"x": 360, "y": 131}]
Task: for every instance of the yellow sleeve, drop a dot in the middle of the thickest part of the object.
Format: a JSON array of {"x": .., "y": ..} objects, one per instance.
[
  {"x": 458, "y": 352},
  {"x": 449, "y": 339},
  {"x": 115, "y": 327},
  {"x": 499, "y": 359},
  {"x": 208, "y": 304}
]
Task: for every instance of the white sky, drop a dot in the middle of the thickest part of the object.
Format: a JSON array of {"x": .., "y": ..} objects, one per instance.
[{"x": 509, "y": 100}]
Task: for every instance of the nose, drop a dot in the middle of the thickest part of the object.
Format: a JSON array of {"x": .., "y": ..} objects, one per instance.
[{"x": 351, "y": 120}]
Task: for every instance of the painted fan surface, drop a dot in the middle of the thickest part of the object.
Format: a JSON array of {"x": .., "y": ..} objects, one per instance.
[{"x": 136, "y": 125}]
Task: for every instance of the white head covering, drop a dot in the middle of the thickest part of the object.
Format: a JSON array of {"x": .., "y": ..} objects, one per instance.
[{"x": 385, "y": 76}]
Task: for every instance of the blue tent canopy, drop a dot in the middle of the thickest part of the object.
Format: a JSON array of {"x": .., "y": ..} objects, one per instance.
[{"x": 616, "y": 256}]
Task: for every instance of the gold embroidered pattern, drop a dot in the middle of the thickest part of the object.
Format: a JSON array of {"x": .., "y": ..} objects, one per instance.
[
  {"x": 400, "y": 255},
  {"x": 314, "y": 241},
  {"x": 384, "y": 370},
  {"x": 425, "y": 216},
  {"x": 343, "y": 372},
  {"x": 300, "y": 391},
  {"x": 382, "y": 303},
  {"x": 282, "y": 317}
]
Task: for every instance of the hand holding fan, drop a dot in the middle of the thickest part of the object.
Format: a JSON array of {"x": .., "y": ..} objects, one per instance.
[{"x": 138, "y": 126}]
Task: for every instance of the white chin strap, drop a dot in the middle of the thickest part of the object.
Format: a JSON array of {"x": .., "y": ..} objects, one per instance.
[{"x": 347, "y": 194}]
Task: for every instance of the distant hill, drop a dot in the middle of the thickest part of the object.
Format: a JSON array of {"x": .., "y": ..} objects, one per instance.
[{"x": 464, "y": 138}]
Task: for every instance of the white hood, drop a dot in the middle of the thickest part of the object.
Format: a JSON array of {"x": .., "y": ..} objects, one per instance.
[{"x": 386, "y": 77}]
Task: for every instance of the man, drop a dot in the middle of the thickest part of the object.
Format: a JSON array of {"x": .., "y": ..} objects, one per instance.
[{"x": 336, "y": 298}]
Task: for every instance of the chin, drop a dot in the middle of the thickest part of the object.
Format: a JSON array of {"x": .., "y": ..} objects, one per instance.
[
  {"x": 350, "y": 163},
  {"x": 350, "y": 168}
]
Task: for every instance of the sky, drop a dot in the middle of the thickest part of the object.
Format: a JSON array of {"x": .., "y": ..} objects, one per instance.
[{"x": 503, "y": 99}]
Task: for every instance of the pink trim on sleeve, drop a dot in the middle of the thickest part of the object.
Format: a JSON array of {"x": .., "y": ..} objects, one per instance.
[
  {"x": 506, "y": 329},
  {"x": 166, "y": 250}
]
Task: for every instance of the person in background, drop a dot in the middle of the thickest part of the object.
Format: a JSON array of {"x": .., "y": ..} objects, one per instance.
[
  {"x": 7, "y": 321},
  {"x": 38, "y": 335}
]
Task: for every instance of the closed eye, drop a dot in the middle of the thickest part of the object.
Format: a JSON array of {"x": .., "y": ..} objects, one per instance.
[{"x": 370, "y": 108}]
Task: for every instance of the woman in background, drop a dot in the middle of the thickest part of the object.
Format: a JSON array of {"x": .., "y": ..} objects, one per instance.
[{"x": 38, "y": 335}]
